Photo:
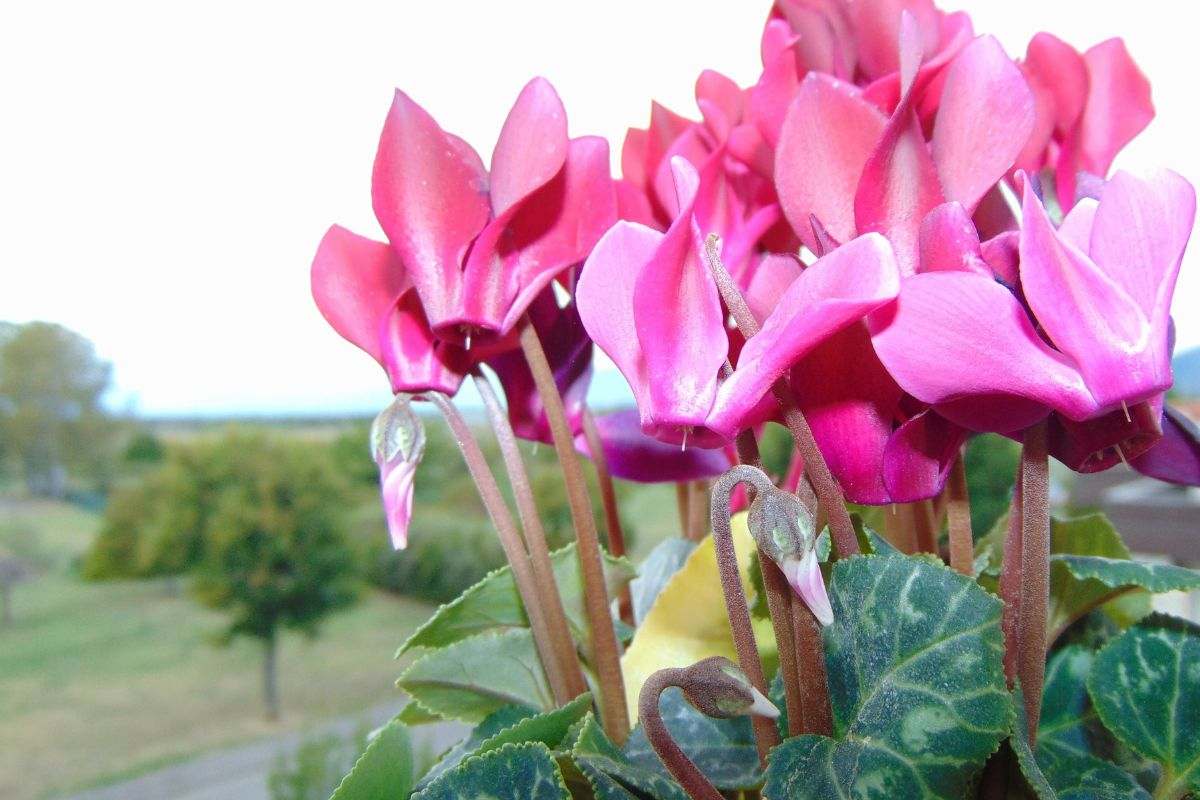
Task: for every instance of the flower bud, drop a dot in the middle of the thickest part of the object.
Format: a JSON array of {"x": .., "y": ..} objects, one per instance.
[
  {"x": 784, "y": 530},
  {"x": 718, "y": 688},
  {"x": 398, "y": 443}
]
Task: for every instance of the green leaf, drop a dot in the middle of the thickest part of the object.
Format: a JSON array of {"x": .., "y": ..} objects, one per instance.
[
  {"x": 723, "y": 749},
  {"x": 499, "y": 720},
  {"x": 1071, "y": 761},
  {"x": 414, "y": 713},
  {"x": 512, "y": 772},
  {"x": 664, "y": 561},
  {"x": 914, "y": 660},
  {"x": 384, "y": 770},
  {"x": 474, "y": 677},
  {"x": 869, "y": 540},
  {"x": 1079, "y": 583},
  {"x": 494, "y": 603},
  {"x": 549, "y": 728},
  {"x": 1146, "y": 687},
  {"x": 611, "y": 773}
]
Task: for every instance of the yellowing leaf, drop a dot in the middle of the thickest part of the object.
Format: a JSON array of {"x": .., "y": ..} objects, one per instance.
[{"x": 687, "y": 621}]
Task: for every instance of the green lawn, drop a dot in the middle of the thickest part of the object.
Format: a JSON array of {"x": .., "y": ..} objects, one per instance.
[{"x": 98, "y": 680}]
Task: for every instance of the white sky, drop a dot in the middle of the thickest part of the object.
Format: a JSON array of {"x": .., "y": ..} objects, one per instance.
[{"x": 167, "y": 169}]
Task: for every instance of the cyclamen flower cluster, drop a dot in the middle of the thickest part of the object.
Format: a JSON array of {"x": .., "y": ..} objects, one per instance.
[{"x": 924, "y": 226}]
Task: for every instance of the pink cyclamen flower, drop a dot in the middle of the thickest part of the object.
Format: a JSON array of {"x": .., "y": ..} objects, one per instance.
[
  {"x": 480, "y": 245},
  {"x": 1088, "y": 335},
  {"x": 649, "y": 301},
  {"x": 1089, "y": 106},
  {"x": 398, "y": 444}
]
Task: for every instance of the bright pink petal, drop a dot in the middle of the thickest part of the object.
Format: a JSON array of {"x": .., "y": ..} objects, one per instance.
[
  {"x": 877, "y": 25},
  {"x": 769, "y": 99},
  {"x": 826, "y": 139},
  {"x": 1002, "y": 254},
  {"x": 396, "y": 484},
  {"x": 415, "y": 359},
  {"x": 605, "y": 297},
  {"x": 1076, "y": 227},
  {"x": 1064, "y": 73},
  {"x": 985, "y": 118},
  {"x": 634, "y": 456},
  {"x": 1087, "y": 315},
  {"x": 1176, "y": 457},
  {"x": 919, "y": 455},
  {"x": 723, "y": 99},
  {"x": 633, "y": 157},
  {"x": 531, "y": 148},
  {"x": 839, "y": 289},
  {"x": 949, "y": 241},
  {"x": 963, "y": 340},
  {"x": 680, "y": 323},
  {"x": 633, "y": 204},
  {"x": 1118, "y": 105},
  {"x": 355, "y": 282},
  {"x": 429, "y": 192},
  {"x": 769, "y": 281},
  {"x": 398, "y": 444}
]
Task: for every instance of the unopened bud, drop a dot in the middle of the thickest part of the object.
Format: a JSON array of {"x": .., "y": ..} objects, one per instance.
[
  {"x": 718, "y": 688},
  {"x": 784, "y": 531},
  {"x": 398, "y": 444}
]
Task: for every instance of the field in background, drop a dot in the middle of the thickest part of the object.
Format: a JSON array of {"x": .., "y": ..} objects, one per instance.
[{"x": 99, "y": 681}]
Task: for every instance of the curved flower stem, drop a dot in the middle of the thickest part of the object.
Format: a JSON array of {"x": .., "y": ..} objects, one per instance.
[
  {"x": 676, "y": 761},
  {"x": 1035, "y": 571},
  {"x": 605, "y": 655},
  {"x": 815, "y": 466},
  {"x": 506, "y": 527},
  {"x": 568, "y": 681},
  {"x": 766, "y": 735},
  {"x": 612, "y": 513},
  {"x": 958, "y": 514}
]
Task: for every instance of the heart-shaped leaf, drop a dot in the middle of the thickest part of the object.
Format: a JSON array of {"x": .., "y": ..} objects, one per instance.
[
  {"x": 914, "y": 659},
  {"x": 723, "y": 749},
  {"x": 385, "y": 769},
  {"x": 612, "y": 775},
  {"x": 474, "y": 677},
  {"x": 1072, "y": 758},
  {"x": 512, "y": 772},
  {"x": 1079, "y": 583},
  {"x": 494, "y": 603},
  {"x": 1145, "y": 685}
]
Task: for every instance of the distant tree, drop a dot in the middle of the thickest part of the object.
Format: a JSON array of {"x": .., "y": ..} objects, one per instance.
[
  {"x": 145, "y": 449},
  {"x": 51, "y": 383},
  {"x": 275, "y": 551}
]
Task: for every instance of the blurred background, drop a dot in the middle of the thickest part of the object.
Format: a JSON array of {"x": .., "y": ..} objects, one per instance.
[{"x": 165, "y": 379}]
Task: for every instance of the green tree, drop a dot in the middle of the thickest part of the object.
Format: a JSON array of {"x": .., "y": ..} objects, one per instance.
[
  {"x": 275, "y": 551},
  {"x": 51, "y": 383}
]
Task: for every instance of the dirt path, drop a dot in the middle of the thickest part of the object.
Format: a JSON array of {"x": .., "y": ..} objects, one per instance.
[{"x": 240, "y": 773}]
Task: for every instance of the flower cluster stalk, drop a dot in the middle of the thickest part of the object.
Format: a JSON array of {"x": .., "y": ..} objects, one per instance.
[
  {"x": 569, "y": 682},
  {"x": 1035, "y": 571},
  {"x": 828, "y": 492},
  {"x": 510, "y": 539},
  {"x": 603, "y": 649},
  {"x": 612, "y": 512},
  {"x": 958, "y": 514}
]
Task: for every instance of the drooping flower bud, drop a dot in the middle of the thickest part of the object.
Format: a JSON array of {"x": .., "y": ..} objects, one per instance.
[
  {"x": 784, "y": 530},
  {"x": 398, "y": 443},
  {"x": 718, "y": 688}
]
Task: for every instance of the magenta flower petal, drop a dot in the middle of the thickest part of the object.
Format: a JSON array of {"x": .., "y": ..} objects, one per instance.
[
  {"x": 721, "y": 101},
  {"x": 954, "y": 336},
  {"x": 827, "y": 137},
  {"x": 397, "y": 489},
  {"x": 948, "y": 241},
  {"x": 356, "y": 282},
  {"x": 919, "y": 455},
  {"x": 1118, "y": 105},
  {"x": 877, "y": 25},
  {"x": 853, "y": 280},
  {"x": 1087, "y": 315},
  {"x": 1176, "y": 457},
  {"x": 531, "y": 148},
  {"x": 768, "y": 281},
  {"x": 415, "y": 359},
  {"x": 680, "y": 323},
  {"x": 1107, "y": 440},
  {"x": 1064, "y": 73},
  {"x": 429, "y": 192},
  {"x": 804, "y": 575},
  {"x": 983, "y": 122},
  {"x": 634, "y": 456}
]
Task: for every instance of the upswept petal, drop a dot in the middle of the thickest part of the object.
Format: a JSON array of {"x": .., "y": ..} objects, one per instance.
[
  {"x": 1063, "y": 72},
  {"x": 1076, "y": 227},
  {"x": 680, "y": 322},
  {"x": 720, "y": 100},
  {"x": 919, "y": 455},
  {"x": 768, "y": 281},
  {"x": 1087, "y": 315},
  {"x": 827, "y": 137},
  {"x": 877, "y": 27},
  {"x": 634, "y": 456},
  {"x": 1118, "y": 105},
  {"x": 984, "y": 120},
  {"x": 1176, "y": 457},
  {"x": 958, "y": 336},
  {"x": 355, "y": 282},
  {"x": 857, "y": 278},
  {"x": 531, "y": 148},
  {"x": 605, "y": 292},
  {"x": 949, "y": 241},
  {"x": 429, "y": 192}
]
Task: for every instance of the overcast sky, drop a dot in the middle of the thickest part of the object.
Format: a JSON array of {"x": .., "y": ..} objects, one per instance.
[{"x": 167, "y": 169}]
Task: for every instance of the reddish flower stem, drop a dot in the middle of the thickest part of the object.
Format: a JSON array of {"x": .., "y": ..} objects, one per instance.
[
  {"x": 958, "y": 513},
  {"x": 612, "y": 512},
  {"x": 604, "y": 651},
  {"x": 697, "y": 509},
  {"x": 766, "y": 735},
  {"x": 1035, "y": 571},
  {"x": 681, "y": 505},
  {"x": 506, "y": 530},
  {"x": 569, "y": 683},
  {"x": 676, "y": 761},
  {"x": 817, "y": 715},
  {"x": 922, "y": 517},
  {"x": 828, "y": 492},
  {"x": 1010, "y": 585}
]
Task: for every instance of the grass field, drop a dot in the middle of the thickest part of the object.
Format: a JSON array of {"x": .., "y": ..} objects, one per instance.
[{"x": 106, "y": 680}]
